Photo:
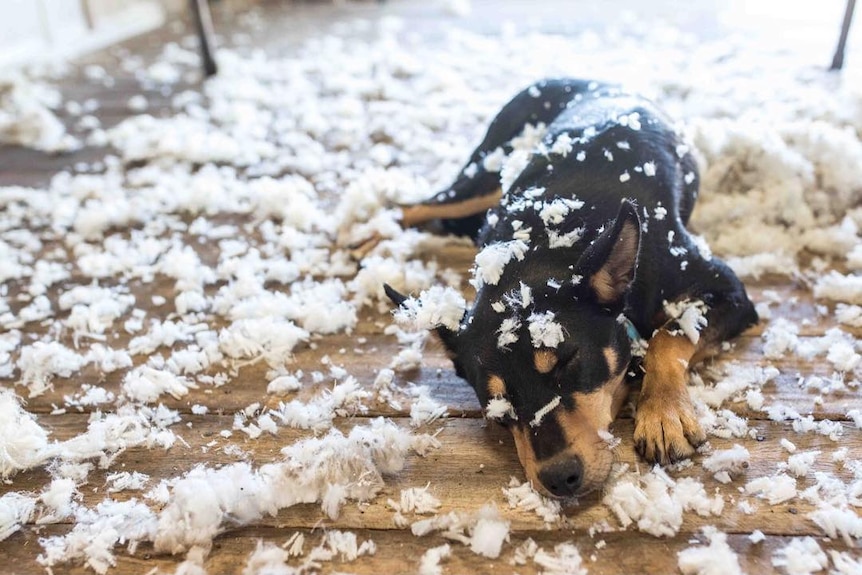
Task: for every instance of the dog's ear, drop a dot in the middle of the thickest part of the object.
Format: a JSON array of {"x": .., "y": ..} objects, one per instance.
[
  {"x": 446, "y": 335},
  {"x": 608, "y": 265}
]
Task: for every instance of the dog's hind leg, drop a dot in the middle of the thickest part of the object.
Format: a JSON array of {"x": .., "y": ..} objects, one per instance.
[{"x": 477, "y": 187}]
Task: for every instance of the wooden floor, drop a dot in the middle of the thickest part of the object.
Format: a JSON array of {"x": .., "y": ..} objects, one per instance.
[{"x": 476, "y": 459}]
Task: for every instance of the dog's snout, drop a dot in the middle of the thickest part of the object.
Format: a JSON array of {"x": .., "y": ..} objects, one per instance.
[{"x": 563, "y": 478}]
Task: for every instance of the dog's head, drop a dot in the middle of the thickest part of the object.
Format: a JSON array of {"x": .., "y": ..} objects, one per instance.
[{"x": 548, "y": 359}]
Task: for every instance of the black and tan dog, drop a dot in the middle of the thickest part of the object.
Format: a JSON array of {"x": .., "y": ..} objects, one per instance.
[{"x": 585, "y": 249}]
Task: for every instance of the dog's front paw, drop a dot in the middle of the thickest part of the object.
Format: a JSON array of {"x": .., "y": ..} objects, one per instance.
[{"x": 666, "y": 427}]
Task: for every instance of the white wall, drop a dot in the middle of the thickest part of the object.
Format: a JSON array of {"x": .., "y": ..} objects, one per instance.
[{"x": 37, "y": 30}]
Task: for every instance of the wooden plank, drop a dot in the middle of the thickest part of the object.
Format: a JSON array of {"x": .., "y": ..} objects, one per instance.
[
  {"x": 364, "y": 359},
  {"x": 475, "y": 462},
  {"x": 399, "y": 551}
]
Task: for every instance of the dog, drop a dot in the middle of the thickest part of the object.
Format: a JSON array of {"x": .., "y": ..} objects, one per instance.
[{"x": 585, "y": 269}]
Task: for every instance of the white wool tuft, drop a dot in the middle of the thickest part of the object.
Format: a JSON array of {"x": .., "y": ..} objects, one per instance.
[
  {"x": 565, "y": 560},
  {"x": 690, "y": 316},
  {"x": 97, "y": 531},
  {"x": 844, "y": 563},
  {"x": 271, "y": 338},
  {"x": 493, "y": 258},
  {"x": 268, "y": 558},
  {"x": 566, "y": 240},
  {"x": 802, "y": 556},
  {"x": 126, "y": 481},
  {"x": 756, "y": 265},
  {"x": 416, "y": 500},
  {"x": 850, "y": 315},
  {"x": 205, "y": 500},
  {"x": 838, "y": 522},
  {"x": 655, "y": 502},
  {"x": 717, "y": 558},
  {"x": 507, "y": 334},
  {"x": 513, "y": 165},
  {"x": 429, "y": 563},
  {"x": 835, "y": 286},
  {"x": 424, "y": 408},
  {"x": 284, "y": 384},
  {"x": 489, "y": 533},
  {"x": 56, "y": 501},
  {"x": 544, "y": 331},
  {"x": 15, "y": 510},
  {"x": 40, "y": 362},
  {"x": 788, "y": 445},
  {"x": 545, "y": 410},
  {"x": 435, "y": 307},
  {"x": 523, "y": 496},
  {"x": 499, "y": 408},
  {"x": 734, "y": 460},
  {"x": 146, "y": 384},
  {"x": 780, "y": 338},
  {"x": 800, "y": 464},
  {"x": 776, "y": 489},
  {"x": 23, "y": 442},
  {"x": 344, "y": 398},
  {"x": 26, "y": 116}
]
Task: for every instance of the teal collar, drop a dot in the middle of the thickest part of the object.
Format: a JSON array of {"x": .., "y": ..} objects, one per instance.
[
  {"x": 631, "y": 330},
  {"x": 638, "y": 343}
]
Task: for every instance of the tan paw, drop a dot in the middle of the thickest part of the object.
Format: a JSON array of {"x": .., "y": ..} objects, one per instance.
[{"x": 666, "y": 428}]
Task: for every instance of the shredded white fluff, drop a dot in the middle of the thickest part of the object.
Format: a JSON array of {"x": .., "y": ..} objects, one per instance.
[
  {"x": 429, "y": 563},
  {"x": 802, "y": 556},
  {"x": 523, "y": 496},
  {"x": 565, "y": 560},
  {"x": 776, "y": 489},
  {"x": 15, "y": 510},
  {"x": 545, "y": 410},
  {"x": 655, "y": 502},
  {"x": 435, "y": 307},
  {"x": 499, "y": 408},
  {"x": 493, "y": 258},
  {"x": 544, "y": 331},
  {"x": 717, "y": 558},
  {"x": 276, "y": 273},
  {"x": 23, "y": 442},
  {"x": 690, "y": 316},
  {"x": 733, "y": 461}
]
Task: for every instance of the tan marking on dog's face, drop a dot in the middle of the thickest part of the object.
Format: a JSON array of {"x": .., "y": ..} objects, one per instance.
[
  {"x": 544, "y": 360},
  {"x": 527, "y": 457},
  {"x": 496, "y": 386},
  {"x": 419, "y": 213},
  {"x": 593, "y": 413},
  {"x": 612, "y": 357}
]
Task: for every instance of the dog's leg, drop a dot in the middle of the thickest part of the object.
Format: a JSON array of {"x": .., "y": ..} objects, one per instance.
[
  {"x": 477, "y": 187},
  {"x": 666, "y": 428}
]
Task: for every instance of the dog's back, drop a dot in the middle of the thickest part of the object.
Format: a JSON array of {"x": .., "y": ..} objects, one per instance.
[{"x": 584, "y": 246}]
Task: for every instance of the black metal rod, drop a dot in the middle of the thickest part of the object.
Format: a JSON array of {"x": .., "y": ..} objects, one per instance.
[
  {"x": 838, "y": 58},
  {"x": 204, "y": 26}
]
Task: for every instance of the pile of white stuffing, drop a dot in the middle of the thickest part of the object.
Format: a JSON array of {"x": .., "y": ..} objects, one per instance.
[{"x": 248, "y": 200}]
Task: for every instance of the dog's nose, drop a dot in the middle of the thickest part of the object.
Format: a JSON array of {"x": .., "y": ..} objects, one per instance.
[{"x": 563, "y": 478}]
